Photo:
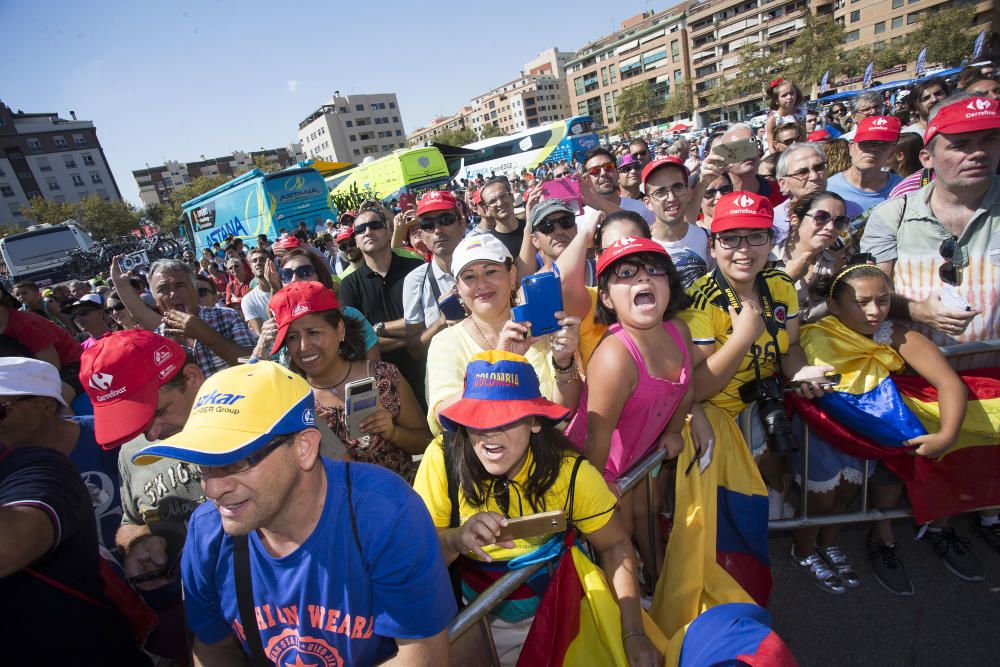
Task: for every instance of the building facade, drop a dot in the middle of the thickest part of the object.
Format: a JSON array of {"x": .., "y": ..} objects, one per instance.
[
  {"x": 43, "y": 155},
  {"x": 156, "y": 183},
  {"x": 649, "y": 49},
  {"x": 520, "y": 104},
  {"x": 458, "y": 121},
  {"x": 352, "y": 127}
]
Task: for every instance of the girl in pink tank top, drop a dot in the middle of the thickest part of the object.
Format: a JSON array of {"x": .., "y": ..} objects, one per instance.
[{"x": 638, "y": 390}]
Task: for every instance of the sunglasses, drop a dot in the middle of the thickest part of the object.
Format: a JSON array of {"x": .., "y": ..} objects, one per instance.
[
  {"x": 444, "y": 220},
  {"x": 629, "y": 168},
  {"x": 304, "y": 272},
  {"x": 83, "y": 313},
  {"x": 244, "y": 464},
  {"x": 347, "y": 245},
  {"x": 640, "y": 153},
  {"x": 548, "y": 225},
  {"x": 711, "y": 193},
  {"x": 734, "y": 241},
  {"x": 204, "y": 291},
  {"x": 6, "y": 404},
  {"x": 115, "y": 308},
  {"x": 823, "y": 218},
  {"x": 607, "y": 168},
  {"x": 948, "y": 272},
  {"x": 363, "y": 227}
]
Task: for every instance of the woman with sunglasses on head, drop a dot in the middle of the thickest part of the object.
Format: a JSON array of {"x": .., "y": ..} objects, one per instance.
[
  {"x": 503, "y": 459},
  {"x": 328, "y": 349},
  {"x": 486, "y": 282}
]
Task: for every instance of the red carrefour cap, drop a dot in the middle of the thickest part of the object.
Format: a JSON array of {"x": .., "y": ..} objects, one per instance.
[
  {"x": 625, "y": 246},
  {"x": 671, "y": 161},
  {"x": 877, "y": 128},
  {"x": 968, "y": 115},
  {"x": 296, "y": 300},
  {"x": 345, "y": 233},
  {"x": 436, "y": 200},
  {"x": 818, "y": 135},
  {"x": 742, "y": 210},
  {"x": 287, "y": 243},
  {"x": 122, "y": 373}
]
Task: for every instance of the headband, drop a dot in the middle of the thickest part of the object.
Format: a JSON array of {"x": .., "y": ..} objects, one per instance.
[
  {"x": 851, "y": 267},
  {"x": 777, "y": 82}
]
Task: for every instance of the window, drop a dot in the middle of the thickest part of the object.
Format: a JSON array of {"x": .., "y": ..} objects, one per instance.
[
  {"x": 79, "y": 140},
  {"x": 103, "y": 194},
  {"x": 342, "y": 109},
  {"x": 6, "y": 190},
  {"x": 15, "y": 155},
  {"x": 392, "y": 105},
  {"x": 399, "y": 133},
  {"x": 852, "y": 36},
  {"x": 69, "y": 162},
  {"x": 95, "y": 177},
  {"x": 896, "y": 4},
  {"x": 34, "y": 145},
  {"x": 912, "y": 18},
  {"x": 353, "y": 137},
  {"x": 52, "y": 183},
  {"x": 88, "y": 159},
  {"x": 349, "y": 123},
  {"x": 78, "y": 180},
  {"x": 43, "y": 164},
  {"x": 60, "y": 143},
  {"x": 897, "y": 22},
  {"x": 855, "y": 16},
  {"x": 880, "y": 27},
  {"x": 359, "y": 107},
  {"x": 675, "y": 49},
  {"x": 395, "y": 119}
]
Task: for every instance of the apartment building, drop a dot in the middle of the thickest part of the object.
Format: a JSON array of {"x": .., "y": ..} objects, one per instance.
[
  {"x": 457, "y": 121},
  {"x": 349, "y": 128},
  {"x": 524, "y": 102},
  {"x": 650, "y": 49},
  {"x": 43, "y": 155},
  {"x": 156, "y": 183}
]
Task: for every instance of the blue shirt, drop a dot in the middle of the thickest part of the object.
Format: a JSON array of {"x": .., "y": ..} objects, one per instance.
[
  {"x": 863, "y": 198},
  {"x": 326, "y": 602},
  {"x": 99, "y": 469}
]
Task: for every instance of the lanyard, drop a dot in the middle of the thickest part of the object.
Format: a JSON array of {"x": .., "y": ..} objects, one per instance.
[{"x": 770, "y": 323}]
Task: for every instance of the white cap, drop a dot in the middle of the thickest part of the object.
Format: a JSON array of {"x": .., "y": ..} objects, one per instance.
[
  {"x": 481, "y": 247},
  {"x": 89, "y": 299},
  {"x": 21, "y": 376}
]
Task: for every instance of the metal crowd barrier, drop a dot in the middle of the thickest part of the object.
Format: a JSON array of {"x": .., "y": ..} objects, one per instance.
[{"x": 478, "y": 609}]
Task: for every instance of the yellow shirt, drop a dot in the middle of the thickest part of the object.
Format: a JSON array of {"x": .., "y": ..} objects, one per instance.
[
  {"x": 591, "y": 332},
  {"x": 708, "y": 319},
  {"x": 450, "y": 352},
  {"x": 593, "y": 502}
]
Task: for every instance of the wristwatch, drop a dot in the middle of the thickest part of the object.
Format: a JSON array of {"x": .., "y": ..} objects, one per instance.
[{"x": 379, "y": 329}]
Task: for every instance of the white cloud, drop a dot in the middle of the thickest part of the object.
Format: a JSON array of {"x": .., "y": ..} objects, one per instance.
[{"x": 293, "y": 86}]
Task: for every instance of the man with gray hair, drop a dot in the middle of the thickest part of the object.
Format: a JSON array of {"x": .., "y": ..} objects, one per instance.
[
  {"x": 217, "y": 337},
  {"x": 863, "y": 106}
]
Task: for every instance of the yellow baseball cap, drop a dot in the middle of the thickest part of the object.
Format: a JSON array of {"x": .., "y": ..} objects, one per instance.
[{"x": 238, "y": 411}]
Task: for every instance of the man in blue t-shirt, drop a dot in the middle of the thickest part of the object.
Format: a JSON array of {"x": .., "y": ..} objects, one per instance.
[
  {"x": 864, "y": 183},
  {"x": 346, "y": 566}
]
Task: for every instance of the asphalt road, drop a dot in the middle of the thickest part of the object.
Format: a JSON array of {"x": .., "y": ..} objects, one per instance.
[{"x": 947, "y": 622}]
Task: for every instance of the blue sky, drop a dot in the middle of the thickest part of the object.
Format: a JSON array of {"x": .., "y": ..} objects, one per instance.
[{"x": 183, "y": 79}]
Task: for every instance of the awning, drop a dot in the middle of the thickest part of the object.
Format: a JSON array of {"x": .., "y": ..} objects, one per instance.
[{"x": 680, "y": 127}]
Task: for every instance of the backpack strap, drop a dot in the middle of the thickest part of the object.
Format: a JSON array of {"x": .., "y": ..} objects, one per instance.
[{"x": 244, "y": 600}]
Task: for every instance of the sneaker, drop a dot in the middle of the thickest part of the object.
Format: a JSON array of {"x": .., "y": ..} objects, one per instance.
[
  {"x": 887, "y": 568},
  {"x": 989, "y": 534},
  {"x": 955, "y": 553},
  {"x": 836, "y": 559},
  {"x": 815, "y": 566}
]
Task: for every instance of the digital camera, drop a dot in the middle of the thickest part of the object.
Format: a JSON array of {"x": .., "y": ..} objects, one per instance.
[{"x": 768, "y": 395}]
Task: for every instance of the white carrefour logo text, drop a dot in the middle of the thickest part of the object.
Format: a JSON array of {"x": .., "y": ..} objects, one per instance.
[
  {"x": 101, "y": 381},
  {"x": 300, "y": 309}
]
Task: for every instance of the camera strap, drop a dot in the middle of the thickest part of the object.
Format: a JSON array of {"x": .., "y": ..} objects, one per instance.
[{"x": 766, "y": 304}]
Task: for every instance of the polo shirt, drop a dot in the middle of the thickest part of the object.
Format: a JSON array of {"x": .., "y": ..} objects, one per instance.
[
  {"x": 419, "y": 303},
  {"x": 906, "y": 231},
  {"x": 864, "y": 198}
]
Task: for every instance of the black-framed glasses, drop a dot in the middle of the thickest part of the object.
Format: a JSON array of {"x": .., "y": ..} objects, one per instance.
[
  {"x": 607, "y": 168},
  {"x": 823, "y": 218},
  {"x": 245, "y": 464},
  {"x": 712, "y": 193},
  {"x": 630, "y": 167},
  {"x": 304, "y": 272},
  {"x": 503, "y": 196},
  {"x": 630, "y": 270},
  {"x": 948, "y": 272},
  {"x": 428, "y": 224},
  {"x": 734, "y": 241},
  {"x": 347, "y": 245},
  {"x": 204, "y": 291},
  {"x": 678, "y": 190},
  {"x": 6, "y": 404},
  {"x": 363, "y": 227},
  {"x": 548, "y": 225},
  {"x": 803, "y": 174}
]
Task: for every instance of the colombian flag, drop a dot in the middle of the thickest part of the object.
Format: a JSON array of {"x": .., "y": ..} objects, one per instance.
[
  {"x": 717, "y": 551},
  {"x": 736, "y": 633},
  {"x": 873, "y": 412}
]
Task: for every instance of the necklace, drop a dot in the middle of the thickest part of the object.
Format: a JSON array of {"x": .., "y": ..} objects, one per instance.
[
  {"x": 486, "y": 341},
  {"x": 333, "y": 387}
]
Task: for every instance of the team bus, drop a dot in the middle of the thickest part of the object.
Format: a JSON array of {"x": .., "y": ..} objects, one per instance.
[
  {"x": 257, "y": 203},
  {"x": 410, "y": 171},
  {"x": 41, "y": 252},
  {"x": 563, "y": 139}
]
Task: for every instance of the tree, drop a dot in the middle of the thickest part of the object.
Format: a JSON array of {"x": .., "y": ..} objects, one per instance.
[
  {"x": 101, "y": 218},
  {"x": 814, "y": 51},
  {"x": 48, "y": 211},
  {"x": 459, "y": 137},
  {"x": 755, "y": 70},
  {"x": 489, "y": 131},
  {"x": 198, "y": 186},
  {"x": 947, "y": 34},
  {"x": 636, "y": 105},
  {"x": 352, "y": 199},
  {"x": 681, "y": 100}
]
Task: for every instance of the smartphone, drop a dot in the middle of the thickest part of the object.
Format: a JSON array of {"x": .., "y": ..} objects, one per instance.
[
  {"x": 736, "y": 151},
  {"x": 360, "y": 400},
  {"x": 825, "y": 381},
  {"x": 951, "y": 299},
  {"x": 451, "y": 307},
  {"x": 533, "y": 525},
  {"x": 407, "y": 201},
  {"x": 542, "y": 300},
  {"x": 567, "y": 189},
  {"x": 162, "y": 573}
]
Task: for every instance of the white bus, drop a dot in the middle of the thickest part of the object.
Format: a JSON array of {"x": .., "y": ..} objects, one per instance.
[{"x": 41, "y": 252}]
